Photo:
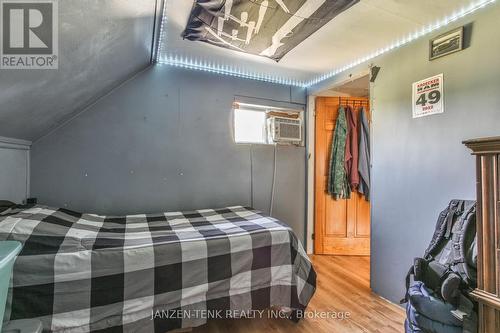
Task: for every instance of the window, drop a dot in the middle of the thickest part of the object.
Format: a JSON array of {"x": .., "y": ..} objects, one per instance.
[
  {"x": 260, "y": 124},
  {"x": 250, "y": 126}
]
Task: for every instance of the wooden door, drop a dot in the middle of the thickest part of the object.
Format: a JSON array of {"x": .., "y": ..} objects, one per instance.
[{"x": 342, "y": 227}]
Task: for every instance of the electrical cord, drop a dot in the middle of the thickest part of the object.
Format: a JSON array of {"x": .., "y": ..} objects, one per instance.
[
  {"x": 251, "y": 176},
  {"x": 273, "y": 187}
]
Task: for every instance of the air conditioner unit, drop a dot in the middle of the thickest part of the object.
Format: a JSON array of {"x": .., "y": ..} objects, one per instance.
[{"x": 286, "y": 130}]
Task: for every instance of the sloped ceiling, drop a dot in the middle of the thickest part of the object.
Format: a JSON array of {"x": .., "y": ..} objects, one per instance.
[
  {"x": 101, "y": 43},
  {"x": 365, "y": 28},
  {"x": 104, "y": 42}
]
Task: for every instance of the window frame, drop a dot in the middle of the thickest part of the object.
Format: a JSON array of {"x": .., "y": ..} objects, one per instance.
[{"x": 268, "y": 111}]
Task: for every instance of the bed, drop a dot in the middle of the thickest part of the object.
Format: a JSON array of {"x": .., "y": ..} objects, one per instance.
[{"x": 151, "y": 273}]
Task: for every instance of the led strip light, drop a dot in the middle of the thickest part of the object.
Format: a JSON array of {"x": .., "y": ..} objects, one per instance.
[
  {"x": 207, "y": 66},
  {"x": 204, "y": 65},
  {"x": 410, "y": 38},
  {"x": 162, "y": 29}
]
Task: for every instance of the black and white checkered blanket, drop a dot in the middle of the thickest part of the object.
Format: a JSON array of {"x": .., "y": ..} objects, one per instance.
[{"x": 151, "y": 273}]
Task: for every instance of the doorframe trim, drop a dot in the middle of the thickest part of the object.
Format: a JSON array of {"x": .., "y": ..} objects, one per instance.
[{"x": 311, "y": 141}]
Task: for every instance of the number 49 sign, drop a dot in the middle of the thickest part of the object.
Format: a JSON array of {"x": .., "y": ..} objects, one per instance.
[{"x": 428, "y": 96}]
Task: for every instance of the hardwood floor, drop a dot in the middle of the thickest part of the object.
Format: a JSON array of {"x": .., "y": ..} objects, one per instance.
[{"x": 342, "y": 286}]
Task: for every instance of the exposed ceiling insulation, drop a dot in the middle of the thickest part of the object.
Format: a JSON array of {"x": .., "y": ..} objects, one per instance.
[{"x": 367, "y": 28}]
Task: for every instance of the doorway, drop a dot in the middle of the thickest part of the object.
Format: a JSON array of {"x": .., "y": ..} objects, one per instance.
[{"x": 341, "y": 226}]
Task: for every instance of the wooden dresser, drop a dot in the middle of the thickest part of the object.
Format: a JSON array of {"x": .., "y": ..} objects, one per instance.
[{"x": 487, "y": 151}]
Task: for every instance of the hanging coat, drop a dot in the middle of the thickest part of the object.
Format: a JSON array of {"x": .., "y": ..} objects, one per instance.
[
  {"x": 338, "y": 186},
  {"x": 351, "y": 149},
  {"x": 364, "y": 155}
]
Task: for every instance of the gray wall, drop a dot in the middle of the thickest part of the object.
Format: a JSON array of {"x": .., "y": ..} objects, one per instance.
[
  {"x": 163, "y": 141},
  {"x": 14, "y": 169},
  {"x": 420, "y": 164}
]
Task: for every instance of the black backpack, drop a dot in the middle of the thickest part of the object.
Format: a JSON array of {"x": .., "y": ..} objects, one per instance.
[{"x": 449, "y": 265}]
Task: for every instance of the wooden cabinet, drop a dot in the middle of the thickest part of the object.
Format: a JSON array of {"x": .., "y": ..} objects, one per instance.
[{"x": 487, "y": 151}]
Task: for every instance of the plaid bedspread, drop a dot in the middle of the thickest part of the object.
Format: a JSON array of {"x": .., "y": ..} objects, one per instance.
[{"x": 89, "y": 273}]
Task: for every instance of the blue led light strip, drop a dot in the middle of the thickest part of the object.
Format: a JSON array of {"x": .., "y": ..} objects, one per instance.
[
  {"x": 410, "y": 38},
  {"x": 203, "y": 65},
  {"x": 206, "y": 66}
]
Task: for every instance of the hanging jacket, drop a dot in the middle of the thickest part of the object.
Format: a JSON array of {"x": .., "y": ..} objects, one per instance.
[
  {"x": 364, "y": 154},
  {"x": 351, "y": 148},
  {"x": 338, "y": 186}
]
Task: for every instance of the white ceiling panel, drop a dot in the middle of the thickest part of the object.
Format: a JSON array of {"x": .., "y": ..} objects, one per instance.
[{"x": 363, "y": 29}]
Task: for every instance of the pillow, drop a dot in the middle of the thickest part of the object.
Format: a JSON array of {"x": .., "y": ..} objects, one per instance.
[{"x": 4, "y": 205}]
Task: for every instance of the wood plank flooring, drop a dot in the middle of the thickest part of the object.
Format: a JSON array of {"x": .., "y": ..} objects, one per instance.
[{"x": 343, "y": 285}]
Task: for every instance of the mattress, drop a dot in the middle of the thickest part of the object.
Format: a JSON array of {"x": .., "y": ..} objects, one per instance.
[{"x": 151, "y": 272}]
